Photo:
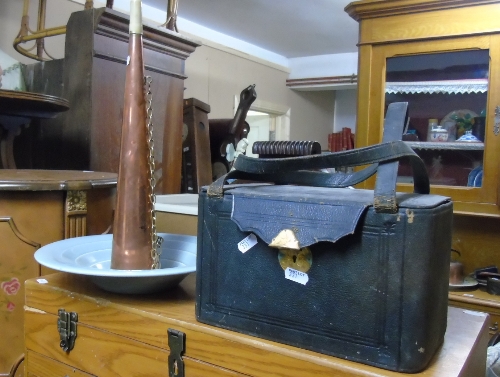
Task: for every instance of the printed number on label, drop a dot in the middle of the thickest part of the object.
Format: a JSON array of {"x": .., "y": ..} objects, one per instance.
[
  {"x": 247, "y": 243},
  {"x": 296, "y": 276}
]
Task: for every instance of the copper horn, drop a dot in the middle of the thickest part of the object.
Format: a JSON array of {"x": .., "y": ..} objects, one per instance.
[{"x": 132, "y": 226}]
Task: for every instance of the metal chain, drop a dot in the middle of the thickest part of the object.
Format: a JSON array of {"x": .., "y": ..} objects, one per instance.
[{"x": 155, "y": 239}]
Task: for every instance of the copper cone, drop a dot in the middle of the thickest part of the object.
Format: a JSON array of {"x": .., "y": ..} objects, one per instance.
[{"x": 133, "y": 224}]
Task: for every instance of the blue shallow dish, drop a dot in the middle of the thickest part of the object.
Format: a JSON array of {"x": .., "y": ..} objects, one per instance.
[
  {"x": 91, "y": 255},
  {"x": 472, "y": 176},
  {"x": 478, "y": 179}
]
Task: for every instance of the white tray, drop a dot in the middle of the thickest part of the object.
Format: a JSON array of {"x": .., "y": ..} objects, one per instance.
[{"x": 91, "y": 255}]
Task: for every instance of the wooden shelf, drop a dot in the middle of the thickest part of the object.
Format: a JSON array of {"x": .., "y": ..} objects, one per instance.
[
  {"x": 465, "y": 86},
  {"x": 451, "y": 145}
]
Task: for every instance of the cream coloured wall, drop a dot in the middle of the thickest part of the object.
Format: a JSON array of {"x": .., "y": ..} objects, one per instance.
[
  {"x": 345, "y": 109},
  {"x": 215, "y": 76},
  {"x": 311, "y": 115}
]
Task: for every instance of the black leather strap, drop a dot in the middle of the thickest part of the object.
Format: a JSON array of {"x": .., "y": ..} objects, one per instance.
[
  {"x": 394, "y": 150},
  {"x": 384, "y": 157},
  {"x": 282, "y": 171},
  {"x": 301, "y": 177},
  {"x": 385, "y": 185}
]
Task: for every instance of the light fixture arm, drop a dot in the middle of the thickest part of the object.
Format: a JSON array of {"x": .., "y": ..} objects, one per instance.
[
  {"x": 26, "y": 34},
  {"x": 171, "y": 21}
]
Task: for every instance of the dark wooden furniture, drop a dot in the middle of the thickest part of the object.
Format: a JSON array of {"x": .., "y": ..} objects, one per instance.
[
  {"x": 127, "y": 335},
  {"x": 88, "y": 135},
  {"x": 38, "y": 207},
  {"x": 196, "y": 164},
  {"x": 18, "y": 109}
]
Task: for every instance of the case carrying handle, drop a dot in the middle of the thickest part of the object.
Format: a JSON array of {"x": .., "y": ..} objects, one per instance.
[{"x": 384, "y": 159}]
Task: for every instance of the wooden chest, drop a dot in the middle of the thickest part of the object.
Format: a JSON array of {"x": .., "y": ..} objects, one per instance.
[
  {"x": 478, "y": 300},
  {"x": 123, "y": 335}
]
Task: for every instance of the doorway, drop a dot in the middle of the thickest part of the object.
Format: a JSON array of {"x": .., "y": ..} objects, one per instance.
[
  {"x": 268, "y": 122},
  {"x": 260, "y": 129}
]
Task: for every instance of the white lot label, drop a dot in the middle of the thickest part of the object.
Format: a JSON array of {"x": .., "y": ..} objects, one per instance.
[
  {"x": 247, "y": 243},
  {"x": 296, "y": 276}
]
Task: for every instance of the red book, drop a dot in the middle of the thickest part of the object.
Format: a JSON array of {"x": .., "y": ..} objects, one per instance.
[
  {"x": 330, "y": 145},
  {"x": 347, "y": 131},
  {"x": 338, "y": 143},
  {"x": 344, "y": 139}
]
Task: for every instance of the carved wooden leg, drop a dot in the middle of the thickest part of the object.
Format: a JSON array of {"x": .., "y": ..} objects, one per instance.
[{"x": 75, "y": 214}]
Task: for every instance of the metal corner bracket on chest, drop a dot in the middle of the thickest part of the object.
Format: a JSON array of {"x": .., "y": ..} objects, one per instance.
[{"x": 66, "y": 326}]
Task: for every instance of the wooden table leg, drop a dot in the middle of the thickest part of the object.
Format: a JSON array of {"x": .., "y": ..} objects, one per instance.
[{"x": 8, "y": 131}]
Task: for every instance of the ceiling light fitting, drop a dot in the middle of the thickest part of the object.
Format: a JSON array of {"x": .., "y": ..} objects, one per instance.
[{"x": 38, "y": 35}]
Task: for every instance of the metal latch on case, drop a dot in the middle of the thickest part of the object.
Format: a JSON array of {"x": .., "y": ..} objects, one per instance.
[
  {"x": 290, "y": 253},
  {"x": 66, "y": 326},
  {"x": 177, "y": 345}
]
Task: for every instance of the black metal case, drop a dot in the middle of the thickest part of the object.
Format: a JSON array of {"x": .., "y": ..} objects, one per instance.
[
  {"x": 376, "y": 296},
  {"x": 358, "y": 274}
]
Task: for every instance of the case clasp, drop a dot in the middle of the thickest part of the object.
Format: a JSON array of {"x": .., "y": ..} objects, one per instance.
[
  {"x": 66, "y": 326},
  {"x": 177, "y": 345}
]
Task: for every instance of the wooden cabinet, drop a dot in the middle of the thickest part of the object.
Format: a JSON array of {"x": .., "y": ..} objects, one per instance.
[
  {"x": 443, "y": 58},
  {"x": 88, "y": 135},
  {"x": 37, "y": 208},
  {"x": 128, "y": 335}
]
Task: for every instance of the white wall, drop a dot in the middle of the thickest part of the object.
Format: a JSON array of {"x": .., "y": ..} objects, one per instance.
[
  {"x": 311, "y": 116},
  {"x": 216, "y": 77},
  {"x": 345, "y": 109},
  {"x": 324, "y": 65}
]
